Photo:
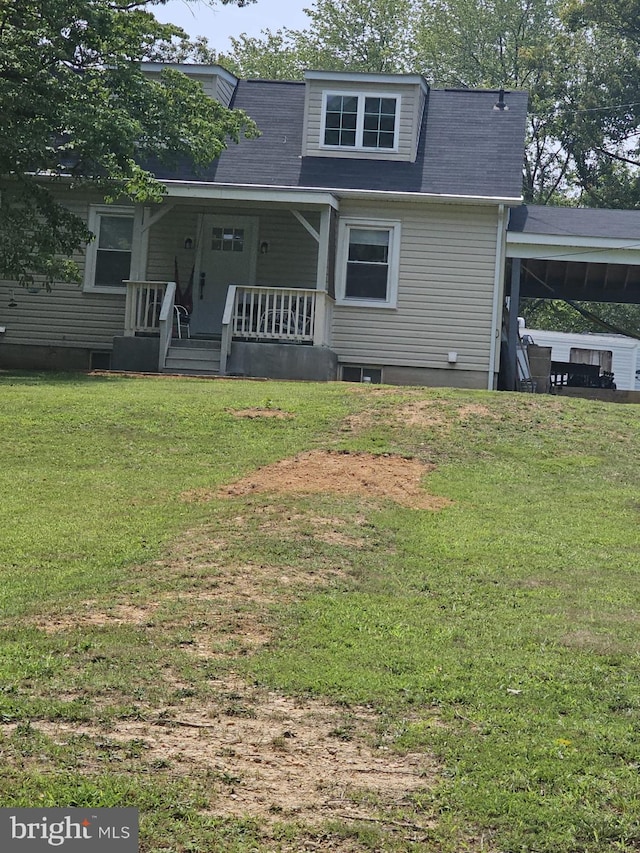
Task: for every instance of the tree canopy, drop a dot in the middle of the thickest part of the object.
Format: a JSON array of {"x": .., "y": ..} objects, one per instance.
[{"x": 77, "y": 109}]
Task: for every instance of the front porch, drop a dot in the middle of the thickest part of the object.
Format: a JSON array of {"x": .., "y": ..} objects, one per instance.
[
  {"x": 246, "y": 270},
  {"x": 263, "y": 332}
]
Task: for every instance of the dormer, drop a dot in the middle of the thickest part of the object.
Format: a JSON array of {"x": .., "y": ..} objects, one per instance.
[
  {"x": 363, "y": 116},
  {"x": 216, "y": 81}
]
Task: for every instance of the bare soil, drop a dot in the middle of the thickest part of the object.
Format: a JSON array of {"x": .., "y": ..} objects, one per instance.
[
  {"x": 264, "y": 754},
  {"x": 382, "y": 476},
  {"x": 261, "y": 413},
  {"x": 273, "y": 757}
]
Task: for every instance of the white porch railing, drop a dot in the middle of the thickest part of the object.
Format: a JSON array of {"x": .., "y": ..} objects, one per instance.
[
  {"x": 143, "y": 306},
  {"x": 150, "y": 309},
  {"x": 166, "y": 323},
  {"x": 283, "y": 314}
]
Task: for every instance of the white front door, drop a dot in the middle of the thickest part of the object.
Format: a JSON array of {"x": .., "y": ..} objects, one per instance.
[{"x": 227, "y": 254}]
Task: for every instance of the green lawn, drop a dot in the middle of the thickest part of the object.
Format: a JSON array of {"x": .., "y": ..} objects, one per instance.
[{"x": 498, "y": 635}]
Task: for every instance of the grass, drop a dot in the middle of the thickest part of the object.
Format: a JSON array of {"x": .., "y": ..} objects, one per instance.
[{"x": 499, "y": 634}]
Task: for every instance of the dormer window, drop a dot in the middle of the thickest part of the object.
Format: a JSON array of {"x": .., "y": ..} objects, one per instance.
[{"x": 356, "y": 121}]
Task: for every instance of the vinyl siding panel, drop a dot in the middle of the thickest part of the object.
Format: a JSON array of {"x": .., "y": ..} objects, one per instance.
[
  {"x": 68, "y": 317},
  {"x": 445, "y": 292},
  {"x": 216, "y": 87},
  {"x": 410, "y": 112},
  {"x": 65, "y": 317},
  {"x": 225, "y": 91}
]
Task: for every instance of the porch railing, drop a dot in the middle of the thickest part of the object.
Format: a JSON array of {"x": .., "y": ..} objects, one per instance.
[
  {"x": 143, "y": 306},
  {"x": 295, "y": 315},
  {"x": 166, "y": 323}
]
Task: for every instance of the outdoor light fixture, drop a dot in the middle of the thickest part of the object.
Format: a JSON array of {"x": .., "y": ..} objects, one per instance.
[
  {"x": 188, "y": 243},
  {"x": 264, "y": 247},
  {"x": 12, "y": 301}
]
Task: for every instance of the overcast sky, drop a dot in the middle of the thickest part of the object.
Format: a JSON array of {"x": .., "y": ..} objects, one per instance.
[{"x": 218, "y": 22}]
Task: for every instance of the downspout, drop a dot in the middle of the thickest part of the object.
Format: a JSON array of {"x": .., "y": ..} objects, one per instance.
[{"x": 498, "y": 290}]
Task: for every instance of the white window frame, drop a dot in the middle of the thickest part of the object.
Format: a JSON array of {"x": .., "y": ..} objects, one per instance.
[
  {"x": 361, "y": 97},
  {"x": 393, "y": 227},
  {"x": 96, "y": 212}
]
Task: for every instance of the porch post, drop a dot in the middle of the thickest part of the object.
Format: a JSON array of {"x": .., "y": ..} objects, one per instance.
[
  {"x": 322, "y": 330},
  {"x": 323, "y": 250},
  {"x": 512, "y": 329}
]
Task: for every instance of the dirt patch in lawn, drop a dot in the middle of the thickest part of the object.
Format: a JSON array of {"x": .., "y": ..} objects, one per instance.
[
  {"x": 271, "y": 756},
  {"x": 279, "y": 414},
  {"x": 423, "y": 414},
  {"x": 88, "y": 614},
  {"x": 263, "y": 754},
  {"x": 375, "y": 476}
]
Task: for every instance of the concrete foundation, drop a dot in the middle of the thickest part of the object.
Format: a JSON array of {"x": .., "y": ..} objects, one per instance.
[
  {"x": 435, "y": 377},
  {"x": 21, "y": 357},
  {"x": 139, "y": 355},
  {"x": 282, "y": 361}
]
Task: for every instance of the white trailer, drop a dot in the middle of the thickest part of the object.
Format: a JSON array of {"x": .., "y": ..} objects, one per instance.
[{"x": 616, "y": 354}]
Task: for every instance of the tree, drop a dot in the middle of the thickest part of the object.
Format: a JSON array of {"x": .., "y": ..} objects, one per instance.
[
  {"x": 353, "y": 35},
  {"x": 507, "y": 44},
  {"x": 601, "y": 121},
  {"x": 76, "y": 109},
  {"x": 577, "y": 62},
  {"x": 560, "y": 316}
]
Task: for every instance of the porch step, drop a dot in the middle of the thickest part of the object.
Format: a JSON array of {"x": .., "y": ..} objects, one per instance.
[{"x": 193, "y": 358}]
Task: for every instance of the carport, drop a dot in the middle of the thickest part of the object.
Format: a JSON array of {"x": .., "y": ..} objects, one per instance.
[{"x": 580, "y": 254}]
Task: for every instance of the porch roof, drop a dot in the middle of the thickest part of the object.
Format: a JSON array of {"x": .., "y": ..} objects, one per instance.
[{"x": 467, "y": 149}]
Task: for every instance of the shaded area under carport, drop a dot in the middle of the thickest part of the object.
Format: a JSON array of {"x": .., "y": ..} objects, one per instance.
[{"x": 578, "y": 254}]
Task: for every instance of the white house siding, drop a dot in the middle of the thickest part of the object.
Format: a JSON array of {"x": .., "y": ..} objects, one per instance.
[
  {"x": 410, "y": 112},
  {"x": 290, "y": 261},
  {"x": 70, "y": 318},
  {"x": 445, "y": 292},
  {"x": 66, "y": 317},
  {"x": 625, "y": 351}
]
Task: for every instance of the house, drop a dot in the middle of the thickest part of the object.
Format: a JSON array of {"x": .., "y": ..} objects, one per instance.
[{"x": 362, "y": 236}]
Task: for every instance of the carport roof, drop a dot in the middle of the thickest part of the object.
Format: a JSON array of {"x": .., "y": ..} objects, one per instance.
[
  {"x": 576, "y": 253},
  {"x": 575, "y": 222}
]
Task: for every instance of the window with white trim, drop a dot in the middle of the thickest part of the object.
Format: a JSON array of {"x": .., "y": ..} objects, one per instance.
[
  {"x": 110, "y": 256},
  {"x": 369, "y": 263},
  {"x": 368, "y": 122}
]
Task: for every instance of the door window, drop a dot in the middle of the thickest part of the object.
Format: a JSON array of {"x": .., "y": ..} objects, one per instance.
[{"x": 227, "y": 239}]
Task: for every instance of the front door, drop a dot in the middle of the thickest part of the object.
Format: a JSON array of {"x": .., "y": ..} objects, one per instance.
[{"x": 227, "y": 254}]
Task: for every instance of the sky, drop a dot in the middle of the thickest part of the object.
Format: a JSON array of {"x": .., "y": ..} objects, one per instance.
[{"x": 218, "y": 22}]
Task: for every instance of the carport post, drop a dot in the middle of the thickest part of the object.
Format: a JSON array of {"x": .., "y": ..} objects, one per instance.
[{"x": 512, "y": 330}]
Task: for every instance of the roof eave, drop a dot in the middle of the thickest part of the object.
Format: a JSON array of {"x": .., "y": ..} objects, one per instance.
[{"x": 203, "y": 189}]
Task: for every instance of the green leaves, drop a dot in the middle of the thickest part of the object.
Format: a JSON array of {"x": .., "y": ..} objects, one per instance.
[
  {"x": 352, "y": 35},
  {"x": 77, "y": 110}
]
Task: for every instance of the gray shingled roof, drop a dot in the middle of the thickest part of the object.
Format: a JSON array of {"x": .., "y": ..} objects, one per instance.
[
  {"x": 466, "y": 148},
  {"x": 575, "y": 222}
]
